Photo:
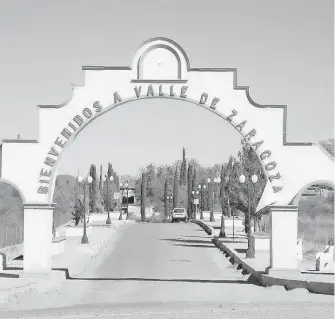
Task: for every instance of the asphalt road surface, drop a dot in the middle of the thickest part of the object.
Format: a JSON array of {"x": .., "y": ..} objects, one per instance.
[{"x": 166, "y": 271}]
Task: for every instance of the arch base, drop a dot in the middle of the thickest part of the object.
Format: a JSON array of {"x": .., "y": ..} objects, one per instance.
[
  {"x": 37, "y": 239},
  {"x": 283, "y": 241}
]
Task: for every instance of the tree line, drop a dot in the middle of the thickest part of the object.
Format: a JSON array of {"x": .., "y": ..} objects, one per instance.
[{"x": 182, "y": 179}]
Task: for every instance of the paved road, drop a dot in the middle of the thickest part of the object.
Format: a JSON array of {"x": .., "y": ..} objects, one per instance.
[{"x": 167, "y": 271}]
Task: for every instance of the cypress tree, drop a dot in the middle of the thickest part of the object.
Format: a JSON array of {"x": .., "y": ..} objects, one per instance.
[
  {"x": 166, "y": 194},
  {"x": 222, "y": 190},
  {"x": 100, "y": 181},
  {"x": 143, "y": 196},
  {"x": 176, "y": 189},
  {"x": 189, "y": 191},
  {"x": 183, "y": 169},
  {"x": 90, "y": 190},
  {"x": 109, "y": 198},
  {"x": 93, "y": 189},
  {"x": 211, "y": 191}
]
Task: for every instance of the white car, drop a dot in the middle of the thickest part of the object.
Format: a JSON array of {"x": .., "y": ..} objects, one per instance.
[{"x": 179, "y": 214}]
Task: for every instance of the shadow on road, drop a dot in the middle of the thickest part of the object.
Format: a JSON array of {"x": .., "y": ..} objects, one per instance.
[
  {"x": 189, "y": 241},
  {"x": 219, "y": 281},
  {"x": 250, "y": 281},
  {"x": 232, "y": 242},
  {"x": 195, "y": 246},
  {"x": 241, "y": 250},
  {"x": 2, "y": 275},
  {"x": 195, "y": 236}
]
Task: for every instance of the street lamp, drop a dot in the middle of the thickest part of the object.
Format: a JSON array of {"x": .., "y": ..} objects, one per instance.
[
  {"x": 126, "y": 185},
  {"x": 121, "y": 200},
  {"x": 167, "y": 207},
  {"x": 169, "y": 202},
  {"x": 195, "y": 195},
  {"x": 89, "y": 179},
  {"x": 210, "y": 188},
  {"x": 200, "y": 202},
  {"x": 253, "y": 179},
  {"x": 201, "y": 189},
  {"x": 105, "y": 178},
  {"x": 217, "y": 182},
  {"x": 223, "y": 226}
]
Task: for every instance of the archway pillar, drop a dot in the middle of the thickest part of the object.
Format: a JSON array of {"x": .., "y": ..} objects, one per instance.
[
  {"x": 37, "y": 239},
  {"x": 283, "y": 241}
]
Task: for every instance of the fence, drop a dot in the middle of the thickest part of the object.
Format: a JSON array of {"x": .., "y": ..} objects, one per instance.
[{"x": 11, "y": 235}]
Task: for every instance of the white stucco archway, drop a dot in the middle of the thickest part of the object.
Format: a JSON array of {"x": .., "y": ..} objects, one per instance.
[{"x": 161, "y": 69}]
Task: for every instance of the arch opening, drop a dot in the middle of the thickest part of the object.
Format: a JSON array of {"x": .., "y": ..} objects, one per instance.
[
  {"x": 176, "y": 104},
  {"x": 11, "y": 214},
  {"x": 254, "y": 145},
  {"x": 315, "y": 203}
]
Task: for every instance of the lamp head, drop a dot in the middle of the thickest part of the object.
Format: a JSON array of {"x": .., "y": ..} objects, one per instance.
[
  {"x": 242, "y": 179},
  {"x": 254, "y": 178}
]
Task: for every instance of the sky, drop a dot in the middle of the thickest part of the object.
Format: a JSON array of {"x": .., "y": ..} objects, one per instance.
[{"x": 283, "y": 50}]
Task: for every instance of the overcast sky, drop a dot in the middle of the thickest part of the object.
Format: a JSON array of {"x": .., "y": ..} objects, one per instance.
[{"x": 282, "y": 49}]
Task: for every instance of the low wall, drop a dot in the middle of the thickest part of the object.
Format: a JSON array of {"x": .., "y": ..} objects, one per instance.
[
  {"x": 325, "y": 288},
  {"x": 9, "y": 253}
]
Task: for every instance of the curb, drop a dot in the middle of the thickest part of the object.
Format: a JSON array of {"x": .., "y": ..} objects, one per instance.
[
  {"x": 207, "y": 228},
  {"x": 265, "y": 280}
]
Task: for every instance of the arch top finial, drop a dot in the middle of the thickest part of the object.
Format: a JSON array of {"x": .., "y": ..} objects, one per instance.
[{"x": 160, "y": 59}]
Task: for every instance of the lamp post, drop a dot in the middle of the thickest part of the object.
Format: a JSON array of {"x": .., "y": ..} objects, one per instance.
[
  {"x": 233, "y": 219},
  {"x": 126, "y": 185},
  {"x": 253, "y": 179},
  {"x": 210, "y": 189},
  {"x": 196, "y": 202},
  {"x": 223, "y": 226},
  {"x": 169, "y": 202},
  {"x": 89, "y": 179},
  {"x": 167, "y": 207},
  {"x": 201, "y": 190},
  {"x": 197, "y": 209},
  {"x": 121, "y": 199},
  {"x": 217, "y": 181},
  {"x": 105, "y": 178}
]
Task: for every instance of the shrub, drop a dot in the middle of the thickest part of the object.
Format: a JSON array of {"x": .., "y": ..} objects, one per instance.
[{"x": 78, "y": 211}]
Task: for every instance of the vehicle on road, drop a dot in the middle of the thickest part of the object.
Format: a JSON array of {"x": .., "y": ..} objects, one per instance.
[{"x": 179, "y": 214}]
